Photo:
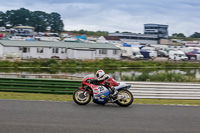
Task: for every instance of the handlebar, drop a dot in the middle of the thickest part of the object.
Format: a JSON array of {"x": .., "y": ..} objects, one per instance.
[{"x": 95, "y": 82}]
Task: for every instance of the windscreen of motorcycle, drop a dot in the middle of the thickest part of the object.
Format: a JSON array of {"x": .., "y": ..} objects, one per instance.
[
  {"x": 100, "y": 94},
  {"x": 89, "y": 76}
]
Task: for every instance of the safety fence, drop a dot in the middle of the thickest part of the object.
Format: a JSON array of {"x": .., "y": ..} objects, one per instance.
[
  {"x": 157, "y": 90},
  {"x": 160, "y": 90},
  {"x": 51, "y": 86}
]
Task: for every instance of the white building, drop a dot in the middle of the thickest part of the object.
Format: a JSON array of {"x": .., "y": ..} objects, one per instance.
[
  {"x": 61, "y": 50},
  {"x": 140, "y": 38}
]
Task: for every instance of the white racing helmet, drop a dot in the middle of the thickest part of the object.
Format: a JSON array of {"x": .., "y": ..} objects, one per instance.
[{"x": 100, "y": 74}]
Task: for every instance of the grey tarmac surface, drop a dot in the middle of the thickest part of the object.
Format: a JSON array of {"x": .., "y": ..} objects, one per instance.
[{"x": 67, "y": 117}]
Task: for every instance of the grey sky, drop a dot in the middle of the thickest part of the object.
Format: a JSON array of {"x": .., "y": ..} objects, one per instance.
[{"x": 182, "y": 16}]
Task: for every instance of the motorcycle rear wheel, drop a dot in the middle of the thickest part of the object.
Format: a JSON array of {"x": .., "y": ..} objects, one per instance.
[
  {"x": 128, "y": 100},
  {"x": 80, "y": 98}
]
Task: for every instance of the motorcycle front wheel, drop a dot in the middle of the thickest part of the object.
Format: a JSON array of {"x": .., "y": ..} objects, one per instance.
[
  {"x": 80, "y": 98},
  {"x": 125, "y": 98}
]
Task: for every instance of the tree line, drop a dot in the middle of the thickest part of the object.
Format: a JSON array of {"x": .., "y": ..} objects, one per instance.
[
  {"x": 38, "y": 19},
  {"x": 90, "y": 33},
  {"x": 194, "y": 35},
  {"x": 41, "y": 21}
]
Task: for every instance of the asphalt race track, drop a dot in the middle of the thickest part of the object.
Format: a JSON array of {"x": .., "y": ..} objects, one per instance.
[{"x": 67, "y": 117}]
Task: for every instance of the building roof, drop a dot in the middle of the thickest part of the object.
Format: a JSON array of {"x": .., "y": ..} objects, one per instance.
[
  {"x": 23, "y": 27},
  {"x": 114, "y": 38},
  {"x": 14, "y": 43},
  {"x": 158, "y": 25},
  {"x": 133, "y": 35}
]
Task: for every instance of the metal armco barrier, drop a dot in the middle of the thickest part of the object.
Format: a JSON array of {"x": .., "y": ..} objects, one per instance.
[
  {"x": 161, "y": 90},
  {"x": 51, "y": 86},
  {"x": 157, "y": 90}
]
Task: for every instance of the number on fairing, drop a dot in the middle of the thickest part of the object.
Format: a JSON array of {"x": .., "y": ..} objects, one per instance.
[{"x": 101, "y": 89}]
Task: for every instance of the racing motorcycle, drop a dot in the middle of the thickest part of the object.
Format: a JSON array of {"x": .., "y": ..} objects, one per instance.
[{"x": 102, "y": 94}]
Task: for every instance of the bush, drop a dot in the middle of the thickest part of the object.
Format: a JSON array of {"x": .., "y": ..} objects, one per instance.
[
  {"x": 51, "y": 62},
  {"x": 105, "y": 63},
  {"x": 160, "y": 77}
]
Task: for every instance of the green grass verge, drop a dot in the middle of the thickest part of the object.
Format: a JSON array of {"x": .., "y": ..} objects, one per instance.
[
  {"x": 35, "y": 96},
  {"x": 53, "y": 97}
]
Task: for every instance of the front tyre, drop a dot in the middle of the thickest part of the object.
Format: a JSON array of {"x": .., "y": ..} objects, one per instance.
[
  {"x": 125, "y": 98},
  {"x": 80, "y": 98}
]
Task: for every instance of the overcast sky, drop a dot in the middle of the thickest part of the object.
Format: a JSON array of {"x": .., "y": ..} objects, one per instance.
[{"x": 182, "y": 16}]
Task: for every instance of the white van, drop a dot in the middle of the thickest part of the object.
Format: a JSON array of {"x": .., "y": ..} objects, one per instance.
[
  {"x": 153, "y": 54},
  {"x": 177, "y": 55},
  {"x": 131, "y": 52},
  {"x": 136, "y": 53}
]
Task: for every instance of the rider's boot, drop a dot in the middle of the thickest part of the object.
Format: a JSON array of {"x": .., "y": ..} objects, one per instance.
[{"x": 114, "y": 92}]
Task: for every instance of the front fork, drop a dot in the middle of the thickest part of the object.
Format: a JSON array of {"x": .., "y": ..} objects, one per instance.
[{"x": 84, "y": 91}]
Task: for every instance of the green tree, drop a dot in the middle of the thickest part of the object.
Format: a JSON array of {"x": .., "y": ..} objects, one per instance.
[
  {"x": 195, "y": 35},
  {"x": 40, "y": 20},
  {"x": 2, "y": 19},
  {"x": 178, "y": 35},
  {"x": 18, "y": 17},
  {"x": 90, "y": 33},
  {"x": 56, "y": 23},
  {"x": 82, "y": 31}
]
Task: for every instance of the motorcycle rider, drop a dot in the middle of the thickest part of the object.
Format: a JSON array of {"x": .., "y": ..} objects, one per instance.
[{"x": 107, "y": 81}]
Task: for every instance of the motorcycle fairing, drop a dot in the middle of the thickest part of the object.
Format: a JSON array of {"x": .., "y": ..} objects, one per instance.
[
  {"x": 122, "y": 85},
  {"x": 100, "y": 94}
]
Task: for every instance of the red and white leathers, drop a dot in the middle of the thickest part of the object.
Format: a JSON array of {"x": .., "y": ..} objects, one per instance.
[
  {"x": 106, "y": 80},
  {"x": 110, "y": 80}
]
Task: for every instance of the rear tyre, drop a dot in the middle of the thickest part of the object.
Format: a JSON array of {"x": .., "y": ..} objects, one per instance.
[
  {"x": 80, "y": 98},
  {"x": 125, "y": 98}
]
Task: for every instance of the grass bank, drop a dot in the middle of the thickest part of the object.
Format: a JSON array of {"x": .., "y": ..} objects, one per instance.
[
  {"x": 53, "y": 66},
  {"x": 105, "y": 63},
  {"x": 161, "y": 77},
  {"x": 50, "y": 97}
]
